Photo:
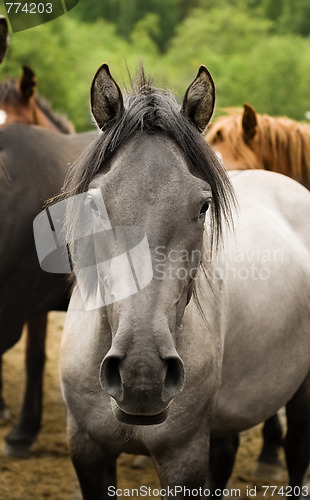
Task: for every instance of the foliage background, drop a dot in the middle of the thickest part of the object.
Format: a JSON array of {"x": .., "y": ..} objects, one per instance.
[{"x": 258, "y": 51}]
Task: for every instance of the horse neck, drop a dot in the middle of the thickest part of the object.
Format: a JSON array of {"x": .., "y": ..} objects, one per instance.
[{"x": 40, "y": 118}]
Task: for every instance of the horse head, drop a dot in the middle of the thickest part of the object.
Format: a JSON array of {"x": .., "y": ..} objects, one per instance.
[
  {"x": 233, "y": 137},
  {"x": 152, "y": 172},
  {"x": 20, "y": 103}
]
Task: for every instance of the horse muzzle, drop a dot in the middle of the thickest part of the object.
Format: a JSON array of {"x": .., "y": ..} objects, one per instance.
[{"x": 141, "y": 387}]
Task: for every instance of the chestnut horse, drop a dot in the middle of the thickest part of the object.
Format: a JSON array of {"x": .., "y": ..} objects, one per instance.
[{"x": 245, "y": 139}]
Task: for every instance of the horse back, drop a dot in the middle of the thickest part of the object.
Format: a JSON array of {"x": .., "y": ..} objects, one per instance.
[{"x": 265, "y": 277}]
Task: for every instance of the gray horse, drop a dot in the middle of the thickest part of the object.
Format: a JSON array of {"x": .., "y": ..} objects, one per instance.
[{"x": 217, "y": 338}]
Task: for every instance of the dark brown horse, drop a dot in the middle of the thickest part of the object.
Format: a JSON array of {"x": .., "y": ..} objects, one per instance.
[
  {"x": 20, "y": 103},
  {"x": 29, "y": 174}
]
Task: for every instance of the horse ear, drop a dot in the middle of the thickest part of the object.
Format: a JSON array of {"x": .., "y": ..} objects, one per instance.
[
  {"x": 4, "y": 37},
  {"x": 249, "y": 121},
  {"x": 27, "y": 83},
  {"x": 106, "y": 97},
  {"x": 198, "y": 102}
]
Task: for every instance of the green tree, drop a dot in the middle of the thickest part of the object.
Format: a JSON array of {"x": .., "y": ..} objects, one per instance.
[
  {"x": 295, "y": 17},
  {"x": 250, "y": 57},
  {"x": 289, "y": 16},
  {"x": 248, "y": 61},
  {"x": 65, "y": 54},
  {"x": 126, "y": 13}
]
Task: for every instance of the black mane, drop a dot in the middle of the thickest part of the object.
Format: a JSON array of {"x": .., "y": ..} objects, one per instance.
[{"x": 153, "y": 110}]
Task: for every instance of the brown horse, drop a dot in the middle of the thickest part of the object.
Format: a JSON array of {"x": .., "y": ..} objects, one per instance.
[
  {"x": 20, "y": 103},
  {"x": 30, "y": 174},
  {"x": 249, "y": 140}
]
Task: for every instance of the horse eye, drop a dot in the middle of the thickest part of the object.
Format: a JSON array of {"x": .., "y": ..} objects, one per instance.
[
  {"x": 218, "y": 136},
  {"x": 204, "y": 208}
]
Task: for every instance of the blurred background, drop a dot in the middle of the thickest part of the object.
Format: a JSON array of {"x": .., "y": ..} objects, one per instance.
[{"x": 258, "y": 51}]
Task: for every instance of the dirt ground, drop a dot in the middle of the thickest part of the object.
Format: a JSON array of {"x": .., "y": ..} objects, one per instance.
[{"x": 48, "y": 473}]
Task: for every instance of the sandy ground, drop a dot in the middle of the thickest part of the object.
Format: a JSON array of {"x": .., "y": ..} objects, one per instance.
[{"x": 48, "y": 473}]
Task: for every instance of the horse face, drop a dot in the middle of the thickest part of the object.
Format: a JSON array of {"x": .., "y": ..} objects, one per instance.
[
  {"x": 149, "y": 174},
  {"x": 235, "y": 139},
  {"x": 143, "y": 371},
  {"x": 229, "y": 151}
]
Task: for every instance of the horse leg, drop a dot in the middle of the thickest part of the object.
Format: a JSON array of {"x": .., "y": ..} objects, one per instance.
[
  {"x": 21, "y": 437},
  {"x": 4, "y": 412},
  {"x": 222, "y": 458},
  {"x": 96, "y": 471},
  {"x": 268, "y": 460},
  {"x": 183, "y": 470},
  {"x": 297, "y": 440}
]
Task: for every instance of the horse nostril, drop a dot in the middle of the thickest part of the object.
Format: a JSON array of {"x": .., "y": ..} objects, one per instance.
[
  {"x": 110, "y": 377},
  {"x": 174, "y": 379}
]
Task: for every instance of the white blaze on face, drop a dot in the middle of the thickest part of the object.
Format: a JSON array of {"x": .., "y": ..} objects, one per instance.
[{"x": 3, "y": 117}]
